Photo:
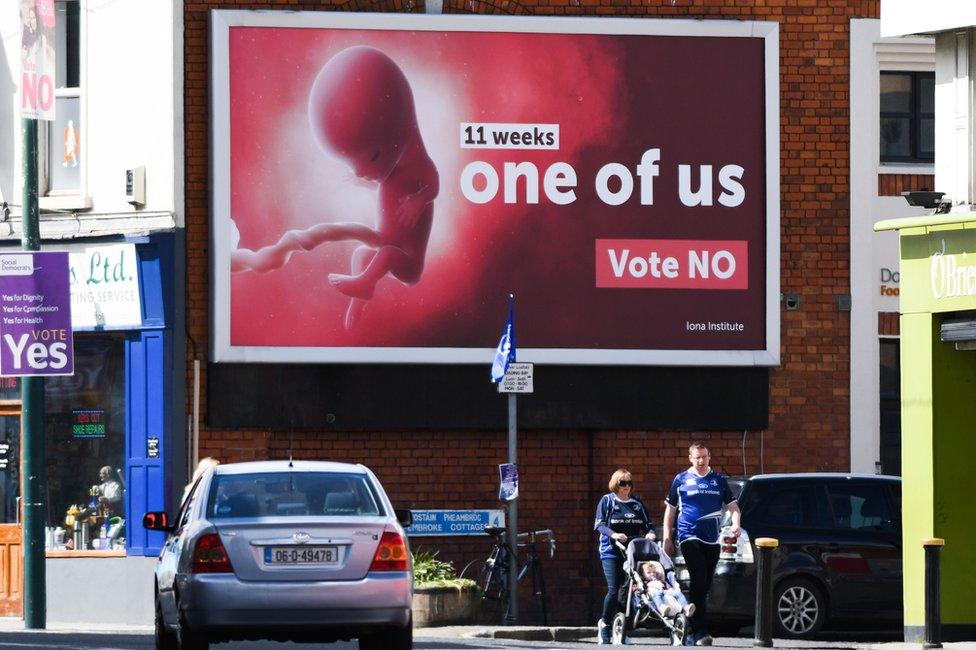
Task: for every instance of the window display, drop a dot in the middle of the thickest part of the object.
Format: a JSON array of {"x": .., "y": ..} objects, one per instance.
[{"x": 84, "y": 423}]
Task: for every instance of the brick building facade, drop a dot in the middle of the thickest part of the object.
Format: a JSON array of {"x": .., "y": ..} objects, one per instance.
[{"x": 564, "y": 470}]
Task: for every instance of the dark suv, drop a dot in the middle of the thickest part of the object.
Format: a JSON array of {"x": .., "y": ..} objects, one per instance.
[{"x": 839, "y": 554}]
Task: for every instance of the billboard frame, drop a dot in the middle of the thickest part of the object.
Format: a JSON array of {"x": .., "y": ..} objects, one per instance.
[{"x": 221, "y": 21}]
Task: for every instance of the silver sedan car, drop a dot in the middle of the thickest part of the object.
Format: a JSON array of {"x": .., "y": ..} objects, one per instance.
[{"x": 301, "y": 551}]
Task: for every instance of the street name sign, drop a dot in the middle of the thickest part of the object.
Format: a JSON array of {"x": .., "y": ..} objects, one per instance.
[{"x": 436, "y": 523}]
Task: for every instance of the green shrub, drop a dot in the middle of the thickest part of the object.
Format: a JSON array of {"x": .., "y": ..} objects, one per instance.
[{"x": 428, "y": 571}]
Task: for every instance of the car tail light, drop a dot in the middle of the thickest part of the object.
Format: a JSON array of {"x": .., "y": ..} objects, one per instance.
[
  {"x": 736, "y": 549},
  {"x": 391, "y": 555},
  {"x": 210, "y": 556}
]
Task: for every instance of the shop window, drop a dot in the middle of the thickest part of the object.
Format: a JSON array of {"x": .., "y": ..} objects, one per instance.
[
  {"x": 908, "y": 117},
  {"x": 890, "y": 407},
  {"x": 9, "y": 389},
  {"x": 84, "y": 425}
]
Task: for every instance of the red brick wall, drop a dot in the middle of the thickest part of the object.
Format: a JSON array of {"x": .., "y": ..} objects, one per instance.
[
  {"x": 888, "y": 323},
  {"x": 895, "y": 184},
  {"x": 564, "y": 472}
]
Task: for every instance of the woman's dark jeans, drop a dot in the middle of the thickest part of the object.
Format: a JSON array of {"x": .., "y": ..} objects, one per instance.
[{"x": 613, "y": 571}]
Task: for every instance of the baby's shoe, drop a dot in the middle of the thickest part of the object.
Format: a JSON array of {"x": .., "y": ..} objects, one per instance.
[{"x": 690, "y": 609}]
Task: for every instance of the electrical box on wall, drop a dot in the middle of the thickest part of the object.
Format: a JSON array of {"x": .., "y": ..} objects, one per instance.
[{"x": 135, "y": 186}]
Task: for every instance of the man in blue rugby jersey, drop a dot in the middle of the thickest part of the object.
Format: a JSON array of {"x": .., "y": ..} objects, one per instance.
[{"x": 696, "y": 498}]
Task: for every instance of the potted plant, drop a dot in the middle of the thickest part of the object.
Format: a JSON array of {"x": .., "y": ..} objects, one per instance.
[{"x": 439, "y": 596}]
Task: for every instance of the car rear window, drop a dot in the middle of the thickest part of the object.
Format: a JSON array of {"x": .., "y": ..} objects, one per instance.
[
  {"x": 290, "y": 494},
  {"x": 862, "y": 506},
  {"x": 787, "y": 504}
]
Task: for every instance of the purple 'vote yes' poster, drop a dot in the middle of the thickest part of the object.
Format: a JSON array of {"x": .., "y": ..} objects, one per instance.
[{"x": 35, "y": 314}]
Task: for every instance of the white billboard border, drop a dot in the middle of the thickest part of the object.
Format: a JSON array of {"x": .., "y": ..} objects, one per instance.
[{"x": 221, "y": 349}]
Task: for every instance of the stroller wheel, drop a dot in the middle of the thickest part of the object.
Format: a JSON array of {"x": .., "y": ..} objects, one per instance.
[
  {"x": 619, "y": 629},
  {"x": 678, "y": 629}
]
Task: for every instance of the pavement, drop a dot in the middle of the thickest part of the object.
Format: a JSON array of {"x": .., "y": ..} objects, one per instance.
[
  {"x": 587, "y": 635},
  {"x": 560, "y": 634}
]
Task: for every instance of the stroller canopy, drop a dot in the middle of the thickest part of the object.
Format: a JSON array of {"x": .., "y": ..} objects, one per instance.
[{"x": 644, "y": 550}]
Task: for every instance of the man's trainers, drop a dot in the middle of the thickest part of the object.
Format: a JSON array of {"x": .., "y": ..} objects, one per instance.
[
  {"x": 705, "y": 639},
  {"x": 603, "y": 632}
]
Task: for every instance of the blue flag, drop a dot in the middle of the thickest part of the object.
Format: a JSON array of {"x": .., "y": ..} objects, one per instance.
[{"x": 505, "y": 353}]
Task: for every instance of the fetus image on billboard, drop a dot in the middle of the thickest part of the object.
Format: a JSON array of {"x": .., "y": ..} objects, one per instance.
[
  {"x": 361, "y": 111},
  {"x": 386, "y": 190}
]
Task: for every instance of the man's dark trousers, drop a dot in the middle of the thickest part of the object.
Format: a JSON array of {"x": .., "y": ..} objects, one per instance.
[{"x": 701, "y": 560}]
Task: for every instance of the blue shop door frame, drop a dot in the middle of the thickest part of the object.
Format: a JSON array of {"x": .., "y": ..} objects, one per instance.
[
  {"x": 151, "y": 360},
  {"x": 146, "y": 440}
]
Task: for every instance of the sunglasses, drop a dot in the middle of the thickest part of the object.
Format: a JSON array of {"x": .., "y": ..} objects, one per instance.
[{"x": 625, "y": 483}]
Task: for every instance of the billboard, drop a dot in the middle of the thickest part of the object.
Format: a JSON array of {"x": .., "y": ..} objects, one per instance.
[{"x": 381, "y": 183}]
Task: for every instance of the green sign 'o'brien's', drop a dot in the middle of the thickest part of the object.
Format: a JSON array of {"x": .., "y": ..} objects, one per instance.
[{"x": 938, "y": 384}]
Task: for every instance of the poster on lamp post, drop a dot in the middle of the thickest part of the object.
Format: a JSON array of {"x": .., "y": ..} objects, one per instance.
[
  {"x": 381, "y": 184},
  {"x": 37, "y": 59},
  {"x": 35, "y": 315}
]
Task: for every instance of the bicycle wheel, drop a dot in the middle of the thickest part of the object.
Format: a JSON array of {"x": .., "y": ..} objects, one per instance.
[{"x": 494, "y": 592}]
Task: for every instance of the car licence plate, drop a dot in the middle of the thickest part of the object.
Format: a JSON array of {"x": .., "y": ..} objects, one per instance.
[{"x": 301, "y": 555}]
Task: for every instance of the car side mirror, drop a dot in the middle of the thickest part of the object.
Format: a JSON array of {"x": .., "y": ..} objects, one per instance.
[
  {"x": 156, "y": 521},
  {"x": 405, "y": 517}
]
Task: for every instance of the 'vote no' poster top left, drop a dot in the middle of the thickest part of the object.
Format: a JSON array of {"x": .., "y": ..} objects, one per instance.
[
  {"x": 37, "y": 59},
  {"x": 35, "y": 315}
]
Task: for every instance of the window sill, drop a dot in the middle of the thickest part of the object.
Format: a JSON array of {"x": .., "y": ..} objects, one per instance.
[
  {"x": 906, "y": 168},
  {"x": 114, "y": 553},
  {"x": 65, "y": 203}
]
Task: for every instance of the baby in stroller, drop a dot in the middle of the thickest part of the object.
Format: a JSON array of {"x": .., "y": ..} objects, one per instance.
[
  {"x": 663, "y": 590},
  {"x": 652, "y": 594}
]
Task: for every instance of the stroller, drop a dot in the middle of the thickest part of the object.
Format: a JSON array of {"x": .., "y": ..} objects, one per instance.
[{"x": 638, "y": 608}]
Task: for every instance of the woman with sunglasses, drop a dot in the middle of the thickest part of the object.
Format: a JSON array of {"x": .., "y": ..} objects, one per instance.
[{"x": 620, "y": 516}]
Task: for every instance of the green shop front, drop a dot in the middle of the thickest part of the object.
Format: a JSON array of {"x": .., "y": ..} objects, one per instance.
[{"x": 938, "y": 413}]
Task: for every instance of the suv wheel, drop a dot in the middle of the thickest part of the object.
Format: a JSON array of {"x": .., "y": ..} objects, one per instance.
[{"x": 799, "y": 609}]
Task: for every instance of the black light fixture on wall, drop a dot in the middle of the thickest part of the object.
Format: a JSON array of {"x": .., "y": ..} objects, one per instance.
[{"x": 928, "y": 200}]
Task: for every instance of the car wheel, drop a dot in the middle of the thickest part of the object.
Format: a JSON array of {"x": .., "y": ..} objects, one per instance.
[
  {"x": 165, "y": 640},
  {"x": 399, "y": 638},
  {"x": 187, "y": 639},
  {"x": 799, "y": 609}
]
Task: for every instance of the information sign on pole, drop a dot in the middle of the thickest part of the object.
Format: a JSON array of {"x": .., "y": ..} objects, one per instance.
[
  {"x": 35, "y": 314},
  {"x": 37, "y": 59},
  {"x": 518, "y": 379},
  {"x": 508, "y": 482}
]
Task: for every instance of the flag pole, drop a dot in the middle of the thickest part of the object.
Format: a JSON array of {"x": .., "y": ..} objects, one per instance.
[
  {"x": 513, "y": 460},
  {"x": 504, "y": 355}
]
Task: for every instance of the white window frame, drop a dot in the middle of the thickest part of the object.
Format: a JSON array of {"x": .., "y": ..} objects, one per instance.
[{"x": 904, "y": 55}]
